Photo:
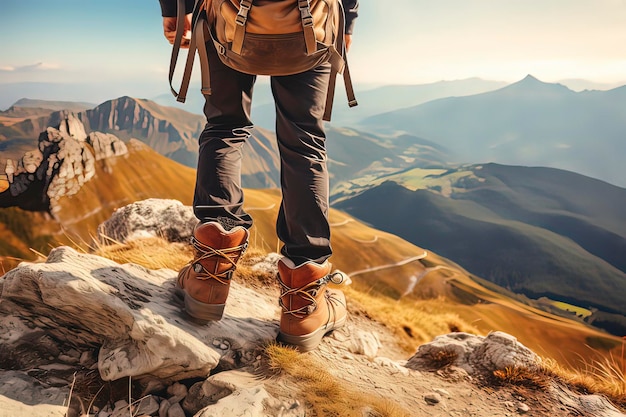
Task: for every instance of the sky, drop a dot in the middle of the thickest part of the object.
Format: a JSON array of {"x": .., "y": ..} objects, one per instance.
[{"x": 116, "y": 46}]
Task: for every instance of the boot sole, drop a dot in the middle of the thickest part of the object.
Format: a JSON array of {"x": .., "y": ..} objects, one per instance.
[
  {"x": 202, "y": 311},
  {"x": 308, "y": 342}
]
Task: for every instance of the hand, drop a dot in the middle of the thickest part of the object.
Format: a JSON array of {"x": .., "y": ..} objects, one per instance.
[
  {"x": 348, "y": 41},
  {"x": 169, "y": 30}
]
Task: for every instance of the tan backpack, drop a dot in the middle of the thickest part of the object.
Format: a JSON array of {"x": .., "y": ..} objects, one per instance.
[{"x": 266, "y": 37}]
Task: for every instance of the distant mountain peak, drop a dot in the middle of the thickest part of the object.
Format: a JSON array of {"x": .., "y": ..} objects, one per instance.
[{"x": 531, "y": 84}]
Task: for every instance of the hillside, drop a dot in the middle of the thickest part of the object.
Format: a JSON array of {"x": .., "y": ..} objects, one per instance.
[
  {"x": 526, "y": 123},
  {"x": 526, "y": 229}
]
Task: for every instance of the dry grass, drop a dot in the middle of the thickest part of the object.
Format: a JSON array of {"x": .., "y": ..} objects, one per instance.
[
  {"x": 325, "y": 394},
  {"x": 256, "y": 277},
  {"x": 414, "y": 322},
  {"x": 605, "y": 377},
  {"x": 523, "y": 377},
  {"x": 152, "y": 253}
]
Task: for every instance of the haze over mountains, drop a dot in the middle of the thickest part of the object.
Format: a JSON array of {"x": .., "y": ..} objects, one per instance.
[{"x": 526, "y": 123}]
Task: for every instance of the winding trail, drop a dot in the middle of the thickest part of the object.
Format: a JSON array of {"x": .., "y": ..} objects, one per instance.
[{"x": 387, "y": 266}]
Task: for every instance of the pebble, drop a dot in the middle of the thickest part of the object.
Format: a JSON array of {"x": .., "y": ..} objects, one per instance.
[
  {"x": 442, "y": 392},
  {"x": 522, "y": 408},
  {"x": 432, "y": 398},
  {"x": 177, "y": 393},
  {"x": 175, "y": 411},
  {"x": 147, "y": 406}
]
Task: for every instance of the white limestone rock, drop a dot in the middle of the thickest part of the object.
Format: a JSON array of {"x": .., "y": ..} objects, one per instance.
[
  {"x": 106, "y": 145},
  {"x": 474, "y": 354},
  {"x": 169, "y": 219},
  {"x": 131, "y": 314}
]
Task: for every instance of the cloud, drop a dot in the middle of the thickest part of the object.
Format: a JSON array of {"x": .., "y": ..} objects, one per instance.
[{"x": 39, "y": 66}]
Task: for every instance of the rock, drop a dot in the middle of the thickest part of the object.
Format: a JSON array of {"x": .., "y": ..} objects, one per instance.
[
  {"x": 168, "y": 219},
  {"x": 177, "y": 393},
  {"x": 163, "y": 408},
  {"x": 20, "y": 387},
  {"x": 175, "y": 410},
  {"x": 196, "y": 399},
  {"x": 393, "y": 366},
  {"x": 61, "y": 165},
  {"x": 13, "y": 408},
  {"x": 120, "y": 409},
  {"x": 131, "y": 314},
  {"x": 432, "y": 398},
  {"x": 585, "y": 405},
  {"x": 106, "y": 145},
  {"x": 442, "y": 392},
  {"x": 73, "y": 127},
  {"x": 9, "y": 169},
  {"x": 146, "y": 406},
  {"x": 522, "y": 408},
  {"x": 474, "y": 354},
  {"x": 364, "y": 343},
  {"x": 244, "y": 402}
]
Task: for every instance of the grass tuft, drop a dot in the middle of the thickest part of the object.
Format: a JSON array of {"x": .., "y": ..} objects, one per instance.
[
  {"x": 152, "y": 253},
  {"x": 324, "y": 393},
  {"x": 604, "y": 377},
  {"x": 525, "y": 377}
]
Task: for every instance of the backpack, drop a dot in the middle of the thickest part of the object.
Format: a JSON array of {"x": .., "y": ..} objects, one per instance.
[{"x": 265, "y": 37}]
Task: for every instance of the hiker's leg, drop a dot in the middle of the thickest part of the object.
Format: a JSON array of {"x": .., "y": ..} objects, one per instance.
[
  {"x": 218, "y": 194},
  {"x": 221, "y": 237},
  {"x": 303, "y": 217}
]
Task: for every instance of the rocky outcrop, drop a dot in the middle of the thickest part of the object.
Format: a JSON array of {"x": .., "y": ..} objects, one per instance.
[
  {"x": 106, "y": 145},
  {"x": 168, "y": 219},
  {"x": 63, "y": 162},
  {"x": 129, "y": 314},
  {"x": 474, "y": 354}
]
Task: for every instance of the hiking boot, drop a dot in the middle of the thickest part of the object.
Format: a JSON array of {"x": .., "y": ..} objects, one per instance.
[
  {"x": 309, "y": 308},
  {"x": 205, "y": 281}
]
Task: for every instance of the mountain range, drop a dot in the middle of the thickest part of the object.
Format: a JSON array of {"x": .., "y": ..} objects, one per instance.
[{"x": 526, "y": 123}]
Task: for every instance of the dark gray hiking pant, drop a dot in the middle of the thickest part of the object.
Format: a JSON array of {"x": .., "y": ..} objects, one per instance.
[{"x": 300, "y": 99}]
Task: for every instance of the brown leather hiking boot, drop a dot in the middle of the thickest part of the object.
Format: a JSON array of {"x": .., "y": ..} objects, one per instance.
[
  {"x": 205, "y": 281},
  {"x": 309, "y": 308}
]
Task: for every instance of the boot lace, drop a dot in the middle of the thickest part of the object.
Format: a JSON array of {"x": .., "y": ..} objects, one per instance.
[
  {"x": 204, "y": 252},
  {"x": 308, "y": 292}
]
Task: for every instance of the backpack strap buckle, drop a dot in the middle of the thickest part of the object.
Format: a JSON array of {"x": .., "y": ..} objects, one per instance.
[
  {"x": 242, "y": 16},
  {"x": 240, "y": 20},
  {"x": 307, "y": 26}
]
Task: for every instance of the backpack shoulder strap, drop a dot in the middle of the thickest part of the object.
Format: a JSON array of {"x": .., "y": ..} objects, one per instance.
[
  {"x": 347, "y": 80},
  {"x": 197, "y": 38}
]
